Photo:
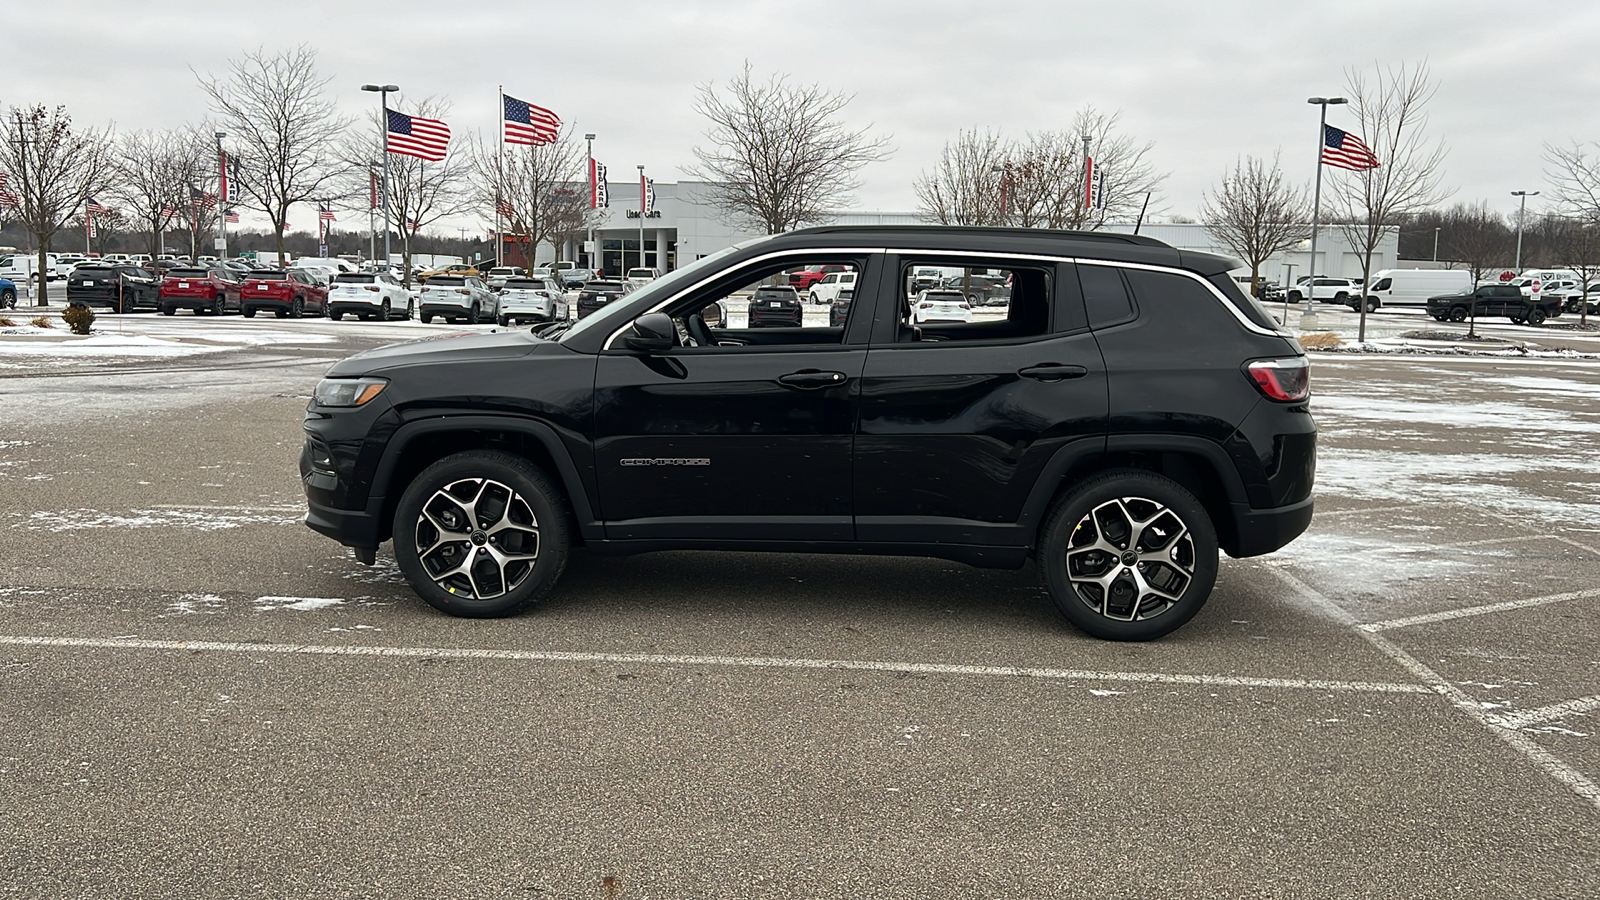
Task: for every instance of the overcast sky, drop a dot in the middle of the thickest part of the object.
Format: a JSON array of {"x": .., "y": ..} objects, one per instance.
[{"x": 1205, "y": 82}]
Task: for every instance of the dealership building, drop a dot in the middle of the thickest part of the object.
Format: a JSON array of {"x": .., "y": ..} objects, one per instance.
[{"x": 683, "y": 227}]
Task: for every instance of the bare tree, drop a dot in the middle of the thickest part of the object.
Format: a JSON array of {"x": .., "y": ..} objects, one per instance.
[
  {"x": 539, "y": 189},
  {"x": 968, "y": 185},
  {"x": 53, "y": 169},
  {"x": 1574, "y": 173},
  {"x": 275, "y": 111},
  {"x": 153, "y": 172},
  {"x": 1390, "y": 111},
  {"x": 421, "y": 192},
  {"x": 1480, "y": 238},
  {"x": 1048, "y": 177},
  {"x": 1255, "y": 214},
  {"x": 779, "y": 155}
]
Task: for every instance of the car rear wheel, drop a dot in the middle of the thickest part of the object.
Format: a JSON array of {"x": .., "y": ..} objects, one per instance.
[
  {"x": 1128, "y": 555},
  {"x": 427, "y": 318},
  {"x": 8, "y": 299},
  {"x": 472, "y": 315},
  {"x": 335, "y": 315},
  {"x": 503, "y": 321},
  {"x": 411, "y": 310},
  {"x": 481, "y": 534},
  {"x": 1373, "y": 304},
  {"x": 1458, "y": 313},
  {"x": 383, "y": 312},
  {"x": 217, "y": 304},
  {"x": 169, "y": 310},
  {"x": 1536, "y": 316},
  {"x": 249, "y": 312},
  {"x": 298, "y": 311}
]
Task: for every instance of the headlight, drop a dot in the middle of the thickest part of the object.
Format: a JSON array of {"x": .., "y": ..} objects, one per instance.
[{"x": 348, "y": 391}]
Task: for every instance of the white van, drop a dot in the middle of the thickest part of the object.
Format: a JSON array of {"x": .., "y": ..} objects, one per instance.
[
  {"x": 1413, "y": 287},
  {"x": 25, "y": 267}
]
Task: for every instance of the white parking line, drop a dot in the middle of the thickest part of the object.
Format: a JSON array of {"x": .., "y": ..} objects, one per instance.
[
  {"x": 1542, "y": 759},
  {"x": 1550, "y": 713},
  {"x": 1486, "y": 609},
  {"x": 756, "y": 662}
]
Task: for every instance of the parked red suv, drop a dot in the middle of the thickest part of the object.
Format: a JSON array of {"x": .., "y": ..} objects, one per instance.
[
  {"x": 803, "y": 279},
  {"x": 288, "y": 294},
  {"x": 213, "y": 289}
]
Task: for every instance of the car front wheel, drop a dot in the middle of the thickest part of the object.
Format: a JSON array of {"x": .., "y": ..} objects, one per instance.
[
  {"x": 481, "y": 534},
  {"x": 1128, "y": 555},
  {"x": 1458, "y": 313},
  {"x": 1536, "y": 316}
]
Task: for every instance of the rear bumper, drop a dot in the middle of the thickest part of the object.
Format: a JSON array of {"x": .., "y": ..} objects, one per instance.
[{"x": 1261, "y": 531}]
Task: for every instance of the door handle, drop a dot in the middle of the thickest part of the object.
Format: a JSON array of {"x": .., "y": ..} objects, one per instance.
[
  {"x": 1053, "y": 372},
  {"x": 811, "y": 379}
]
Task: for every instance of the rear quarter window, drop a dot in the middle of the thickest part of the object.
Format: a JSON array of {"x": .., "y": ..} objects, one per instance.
[
  {"x": 1250, "y": 306},
  {"x": 1105, "y": 295}
]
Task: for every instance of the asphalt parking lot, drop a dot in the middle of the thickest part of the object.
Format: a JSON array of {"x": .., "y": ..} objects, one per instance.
[{"x": 200, "y": 697}]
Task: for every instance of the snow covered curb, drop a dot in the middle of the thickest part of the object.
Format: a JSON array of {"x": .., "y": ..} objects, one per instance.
[{"x": 1442, "y": 349}]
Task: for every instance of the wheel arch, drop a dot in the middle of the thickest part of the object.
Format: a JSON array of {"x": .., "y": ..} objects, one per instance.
[
  {"x": 1200, "y": 466},
  {"x": 417, "y": 445}
]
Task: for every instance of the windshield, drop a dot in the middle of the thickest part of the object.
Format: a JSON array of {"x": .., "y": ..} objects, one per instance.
[{"x": 613, "y": 315}]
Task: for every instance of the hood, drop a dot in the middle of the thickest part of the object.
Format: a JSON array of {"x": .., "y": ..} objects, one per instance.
[{"x": 462, "y": 345}]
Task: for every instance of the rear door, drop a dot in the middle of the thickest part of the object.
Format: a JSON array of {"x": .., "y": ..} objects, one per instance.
[{"x": 958, "y": 421}]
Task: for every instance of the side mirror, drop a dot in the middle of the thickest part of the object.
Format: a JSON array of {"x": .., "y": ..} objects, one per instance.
[{"x": 652, "y": 333}]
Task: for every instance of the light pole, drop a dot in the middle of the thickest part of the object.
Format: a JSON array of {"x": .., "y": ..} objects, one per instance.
[
  {"x": 382, "y": 90},
  {"x": 591, "y": 251},
  {"x": 224, "y": 192},
  {"x": 1521, "y": 215},
  {"x": 1316, "y": 197},
  {"x": 1436, "y": 245}
]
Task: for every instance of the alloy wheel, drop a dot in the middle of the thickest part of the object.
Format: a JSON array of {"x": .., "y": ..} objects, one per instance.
[
  {"x": 477, "y": 538},
  {"x": 1130, "y": 558}
]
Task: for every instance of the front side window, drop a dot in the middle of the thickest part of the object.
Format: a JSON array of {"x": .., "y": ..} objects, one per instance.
[{"x": 758, "y": 308}]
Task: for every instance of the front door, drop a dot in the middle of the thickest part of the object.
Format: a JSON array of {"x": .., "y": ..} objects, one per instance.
[{"x": 737, "y": 433}]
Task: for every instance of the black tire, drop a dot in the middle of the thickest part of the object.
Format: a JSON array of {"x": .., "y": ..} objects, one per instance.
[
  {"x": 249, "y": 312},
  {"x": 411, "y": 310},
  {"x": 427, "y": 318},
  {"x": 8, "y": 300},
  {"x": 298, "y": 310},
  {"x": 335, "y": 315},
  {"x": 1536, "y": 316},
  {"x": 1119, "y": 508},
  {"x": 503, "y": 322},
  {"x": 169, "y": 310},
  {"x": 281, "y": 313},
  {"x": 218, "y": 305},
  {"x": 1341, "y": 297},
  {"x": 1295, "y": 297},
  {"x": 1458, "y": 313},
  {"x": 126, "y": 302},
  {"x": 1373, "y": 304},
  {"x": 383, "y": 312},
  {"x": 492, "y": 587},
  {"x": 472, "y": 315}
]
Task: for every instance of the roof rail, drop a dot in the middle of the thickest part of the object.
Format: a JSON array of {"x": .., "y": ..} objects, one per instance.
[{"x": 1103, "y": 236}]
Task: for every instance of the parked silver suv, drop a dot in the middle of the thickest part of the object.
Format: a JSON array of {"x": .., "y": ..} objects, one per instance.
[{"x": 458, "y": 298}]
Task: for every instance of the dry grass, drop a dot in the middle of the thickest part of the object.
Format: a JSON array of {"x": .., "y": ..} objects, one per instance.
[
  {"x": 7, "y": 323},
  {"x": 1324, "y": 340},
  {"x": 42, "y": 322}
]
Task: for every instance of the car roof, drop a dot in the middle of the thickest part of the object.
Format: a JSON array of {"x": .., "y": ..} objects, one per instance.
[{"x": 978, "y": 239}]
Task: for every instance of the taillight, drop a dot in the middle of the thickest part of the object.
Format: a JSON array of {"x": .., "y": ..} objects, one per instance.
[
  {"x": 1285, "y": 380},
  {"x": 927, "y": 306},
  {"x": 462, "y": 291},
  {"x": 372, "y": 287}
]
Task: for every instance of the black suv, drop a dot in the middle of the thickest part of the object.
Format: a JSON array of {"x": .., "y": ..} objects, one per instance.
[
  {"x": 1126, "y": 416},
  {"x": 595, "y": 294},
  {"x": 775, "y": 307},
  {"x": 123, "y": 287},
  {"x": 1494, "y": 300}
]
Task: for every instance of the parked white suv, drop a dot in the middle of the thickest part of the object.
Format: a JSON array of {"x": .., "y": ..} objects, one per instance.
[
  {"x": 458, "y": 298},
  {"x": 524, "y": 300},
  {"x": 827, "y": 290},
  {"x": 369, "y": 295},
  {"x": 1332, "y": 290}
]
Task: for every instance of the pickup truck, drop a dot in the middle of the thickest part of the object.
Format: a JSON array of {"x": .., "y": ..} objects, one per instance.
[{"x": 1494, "y": 300}]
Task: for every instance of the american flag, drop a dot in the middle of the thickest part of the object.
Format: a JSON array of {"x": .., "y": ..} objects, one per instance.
[
  {"x": 1345, "y": 150},
  {"x": 419, "y": 137},
  {"x": 94, "y": 208},
  {"x": 201, "y": 200},
  {"x": 647, "y": 193},
  {"x": 7, "y": 196},
  {"x": 505, "y": 209},
  {"x": 232, "y": 217},
  {"x": 599, "y": 198},
  {"x": 326, "y": 214},
  {"x": 529, "y": 124}
]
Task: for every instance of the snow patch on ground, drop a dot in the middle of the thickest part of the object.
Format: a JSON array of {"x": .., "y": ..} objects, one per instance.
[
  {"x": 74, "y": 519},
  {"x": 304, "y": 604},
  {"x": 1346, "y": 566},
  {"x": 1463, "y": 478},
  {"x": 195, "y": 605},
  {"x": 106, "y": 345},
  {"x": 1520, "y": 417}
]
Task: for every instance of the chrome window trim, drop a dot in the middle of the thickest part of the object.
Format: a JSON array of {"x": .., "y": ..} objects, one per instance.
[{"x": 1227, "y": 304}]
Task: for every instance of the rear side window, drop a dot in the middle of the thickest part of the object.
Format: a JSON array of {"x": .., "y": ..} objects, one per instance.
[
  {"x": 1105, "y": 295},
  {"x": 1250, "y": 306}
]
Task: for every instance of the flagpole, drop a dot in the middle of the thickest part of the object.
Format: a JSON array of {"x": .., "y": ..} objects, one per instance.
[
  {"x": 499, "y": 181},
  {"x": 594, "y": 250},
  {"x": 642, "y": 198},
  {"x": 224, "y": 194},
  {"x": 1316, "y": 200}
]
